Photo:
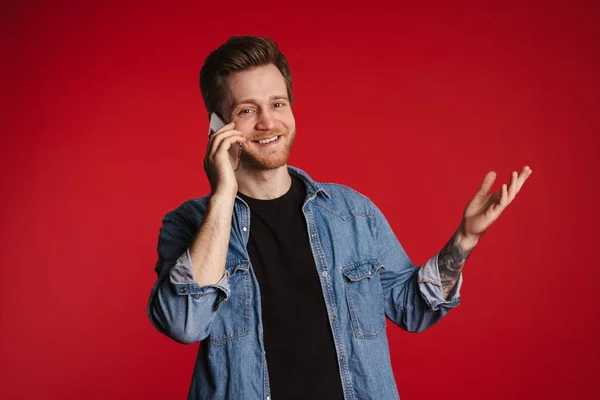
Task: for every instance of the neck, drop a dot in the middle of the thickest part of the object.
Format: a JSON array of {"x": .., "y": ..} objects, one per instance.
[{"x": 264, "y": 185}]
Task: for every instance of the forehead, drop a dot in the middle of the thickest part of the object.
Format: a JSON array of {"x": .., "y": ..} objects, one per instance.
[{"x": 256, "y": 83}]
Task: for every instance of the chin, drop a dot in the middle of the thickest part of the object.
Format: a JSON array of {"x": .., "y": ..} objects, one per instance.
[{"x": 265, "y": 163}]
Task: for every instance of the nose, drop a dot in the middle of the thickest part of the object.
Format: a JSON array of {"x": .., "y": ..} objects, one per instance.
[{"x": 266, "y": 120}]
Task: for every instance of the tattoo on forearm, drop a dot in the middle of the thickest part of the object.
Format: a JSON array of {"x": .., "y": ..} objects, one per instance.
[{"x": 451, "y": 261}]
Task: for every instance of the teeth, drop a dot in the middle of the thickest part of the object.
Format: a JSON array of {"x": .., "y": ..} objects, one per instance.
[{"x": 269, "y": 140}]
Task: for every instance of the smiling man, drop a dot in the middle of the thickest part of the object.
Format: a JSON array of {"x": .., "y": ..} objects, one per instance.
[{"x": 287, "y": 282}]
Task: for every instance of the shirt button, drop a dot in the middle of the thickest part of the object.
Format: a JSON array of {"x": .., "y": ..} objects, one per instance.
[
  {"x": 324, "y": 274},
  {"x": 341, "y": 358},
  {"x": 314, "y": 235},
  {"x": 268, "y": 397},
  {"x": 183, "y": 290},
  {"x": 244, "y": 229},
  {"x": 333, "y": 318}
]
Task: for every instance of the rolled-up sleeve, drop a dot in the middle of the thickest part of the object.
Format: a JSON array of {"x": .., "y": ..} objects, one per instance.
[
  {"x": 430, "y": 285},
  {"x": 182, "y": 279},
  {"x": 178, "y": 306}
]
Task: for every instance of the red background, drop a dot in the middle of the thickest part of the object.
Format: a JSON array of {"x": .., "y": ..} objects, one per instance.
[{"x": 103, "y": 132}]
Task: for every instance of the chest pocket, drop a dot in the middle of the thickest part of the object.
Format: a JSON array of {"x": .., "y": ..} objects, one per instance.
[
  {"x": 232, "y": 319},
  {"x": 364, "y": 296}
]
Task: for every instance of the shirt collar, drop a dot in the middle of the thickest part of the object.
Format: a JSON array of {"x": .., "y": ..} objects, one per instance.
[{"x": 312, "y": 188}]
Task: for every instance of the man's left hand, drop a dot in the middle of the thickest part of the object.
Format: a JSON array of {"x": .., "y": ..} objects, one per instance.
[{"x": 485, "y": 208}]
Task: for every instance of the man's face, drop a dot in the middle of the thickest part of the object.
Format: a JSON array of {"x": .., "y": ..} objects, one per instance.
[{"x": 258, "y": 103}]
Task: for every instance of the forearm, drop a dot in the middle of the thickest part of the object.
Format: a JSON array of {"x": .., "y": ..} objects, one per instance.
[
  {"x": 452, "y": 258},
  {"x": 184, "y": 301},
  {"x": 208, "y": 252}
]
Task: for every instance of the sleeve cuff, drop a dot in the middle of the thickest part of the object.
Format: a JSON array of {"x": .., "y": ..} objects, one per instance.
[
  {"x": 182, "y": 279},
  {"x": 430, "y": 286}
]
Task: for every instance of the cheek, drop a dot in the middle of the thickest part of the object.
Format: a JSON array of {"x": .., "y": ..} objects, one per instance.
[
  {"x": 244, "y": 126},
  {"x": 289, "y": 121}
]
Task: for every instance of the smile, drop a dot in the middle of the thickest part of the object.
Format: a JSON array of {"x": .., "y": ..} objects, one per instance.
[{"x": 268, "y": 140}]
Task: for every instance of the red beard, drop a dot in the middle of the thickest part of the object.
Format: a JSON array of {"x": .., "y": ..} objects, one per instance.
[{"x": 256, "y": 158}]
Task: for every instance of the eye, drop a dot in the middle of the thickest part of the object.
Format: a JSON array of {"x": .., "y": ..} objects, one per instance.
[
  {"x": 278, "y": 105},
  {"x": 245, "y": 111}
]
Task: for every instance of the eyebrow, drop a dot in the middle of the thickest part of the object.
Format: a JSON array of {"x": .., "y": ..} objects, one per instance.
[{"x": 253, "y": 101}]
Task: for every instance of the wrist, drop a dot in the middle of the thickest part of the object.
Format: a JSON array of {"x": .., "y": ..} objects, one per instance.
[
  {"x": 222, "y": 199},
  {"x": 465, "y": 241}
]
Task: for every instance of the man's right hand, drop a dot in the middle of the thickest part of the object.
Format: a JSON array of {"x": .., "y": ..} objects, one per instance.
[{"x": 219, "y": 161}]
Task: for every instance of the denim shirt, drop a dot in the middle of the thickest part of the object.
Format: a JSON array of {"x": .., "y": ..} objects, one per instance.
[{"x": 364, "y": 273}]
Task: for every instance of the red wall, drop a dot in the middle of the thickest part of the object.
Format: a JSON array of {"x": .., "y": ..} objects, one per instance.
[{"x": 103, "y": 132}]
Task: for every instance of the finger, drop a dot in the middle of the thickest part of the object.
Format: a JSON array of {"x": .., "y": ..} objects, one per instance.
[
  {"x": 220, "y": 151},
  {"x": 238, "y": 158},
  {"x": 496, "y": 203},
  {"x": 512, "y": 189},
  {"x": 218, "y": 134},
  {"x": 226, "y": 144},
  {"x": 216, "y": 142},
  {"x": 487, "y": 183},
  {"x": 221, "y": 130},
  {"x": 522, "y": 177},
  {"x": 504, "y": 196}
]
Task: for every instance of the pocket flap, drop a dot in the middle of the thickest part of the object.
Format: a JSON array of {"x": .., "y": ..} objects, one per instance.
[
  {"x": 237, "y": 266},
  {"x": 361, "y": 270}
]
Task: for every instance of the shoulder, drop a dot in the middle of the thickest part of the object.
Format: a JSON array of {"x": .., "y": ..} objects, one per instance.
[
  {"x": 337, "y": 189},
  {"x": 345, "y": 200},
  {"x": 190, "y": 210},
  {"x": 330, "y": 191}
]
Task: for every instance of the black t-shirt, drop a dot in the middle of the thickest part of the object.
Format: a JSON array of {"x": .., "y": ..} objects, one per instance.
[{"x": 299, "y": 345}]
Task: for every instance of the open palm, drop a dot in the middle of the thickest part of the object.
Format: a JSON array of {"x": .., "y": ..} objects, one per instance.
[{"x": 485, "y": 208}]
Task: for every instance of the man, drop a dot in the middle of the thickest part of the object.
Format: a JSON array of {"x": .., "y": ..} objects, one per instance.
[{"x": 288, "y": 282}]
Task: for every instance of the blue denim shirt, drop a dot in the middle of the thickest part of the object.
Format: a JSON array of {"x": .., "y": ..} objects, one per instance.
[{"x": 364, "y": 272}]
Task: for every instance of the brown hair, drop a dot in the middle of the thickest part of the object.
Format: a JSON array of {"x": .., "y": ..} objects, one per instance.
[{"x": 239, "y": 53}]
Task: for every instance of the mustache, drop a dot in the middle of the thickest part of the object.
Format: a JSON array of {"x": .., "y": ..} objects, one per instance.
[{"x": 267, "y": 134}]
